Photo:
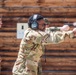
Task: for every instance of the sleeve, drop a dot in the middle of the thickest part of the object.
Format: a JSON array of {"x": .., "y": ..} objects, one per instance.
[
  {"x": 70, "y": 34},
  {"x": 54, "y": 35},
  {"x": 57, "y": 36},
  {"x": 52, "y": 29},
  {"x": 60, "y": 36}
]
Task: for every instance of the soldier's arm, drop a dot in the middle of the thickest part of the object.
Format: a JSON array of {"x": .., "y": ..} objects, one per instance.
[{"x": 59, "y": 36}]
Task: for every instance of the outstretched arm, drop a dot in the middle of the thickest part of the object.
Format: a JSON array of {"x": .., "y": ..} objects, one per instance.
[{"x": 59, "y": 36}]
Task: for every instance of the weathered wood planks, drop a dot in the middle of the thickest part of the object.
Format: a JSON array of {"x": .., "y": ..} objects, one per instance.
[{"x": 58, "y": 59}]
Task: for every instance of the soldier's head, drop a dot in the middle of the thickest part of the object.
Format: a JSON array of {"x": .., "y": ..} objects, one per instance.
[{"x": 37, "y": 22}]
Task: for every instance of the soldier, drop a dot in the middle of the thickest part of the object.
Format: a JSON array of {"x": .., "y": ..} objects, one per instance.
[{"x": 32, "y": 45}]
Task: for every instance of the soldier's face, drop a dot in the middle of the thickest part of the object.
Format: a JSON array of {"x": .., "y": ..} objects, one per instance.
[
  {"x": 41, "y": 25},
  {"x": 0, "y": 22}
]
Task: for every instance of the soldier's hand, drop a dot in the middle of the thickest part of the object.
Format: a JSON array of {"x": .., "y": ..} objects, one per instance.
[
  {"x": 74, "y": 24},
  {"x": 65, "y": 28},
  {"x": 74, "y": 30}
]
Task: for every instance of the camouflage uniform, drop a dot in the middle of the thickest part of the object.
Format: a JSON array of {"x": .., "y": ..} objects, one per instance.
[{"x": 31, "y": 50}]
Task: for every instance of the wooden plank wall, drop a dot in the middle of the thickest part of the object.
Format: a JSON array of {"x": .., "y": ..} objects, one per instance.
[{"x": 59, "y": 59}]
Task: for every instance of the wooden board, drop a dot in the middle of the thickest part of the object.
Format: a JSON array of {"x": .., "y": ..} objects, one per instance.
[{"x": 58, "y": 59}]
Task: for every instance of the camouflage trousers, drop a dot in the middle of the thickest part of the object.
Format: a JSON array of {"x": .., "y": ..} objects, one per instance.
[{"x": 32, "y": 68}]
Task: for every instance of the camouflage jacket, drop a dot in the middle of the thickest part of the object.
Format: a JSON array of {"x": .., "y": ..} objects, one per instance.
[{"x": 32, "y": 46}]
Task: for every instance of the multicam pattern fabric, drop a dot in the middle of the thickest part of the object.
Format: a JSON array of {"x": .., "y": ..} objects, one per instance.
[
  {"x": 56, "y": 36},
  {"x": 32, "y": 48}
]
